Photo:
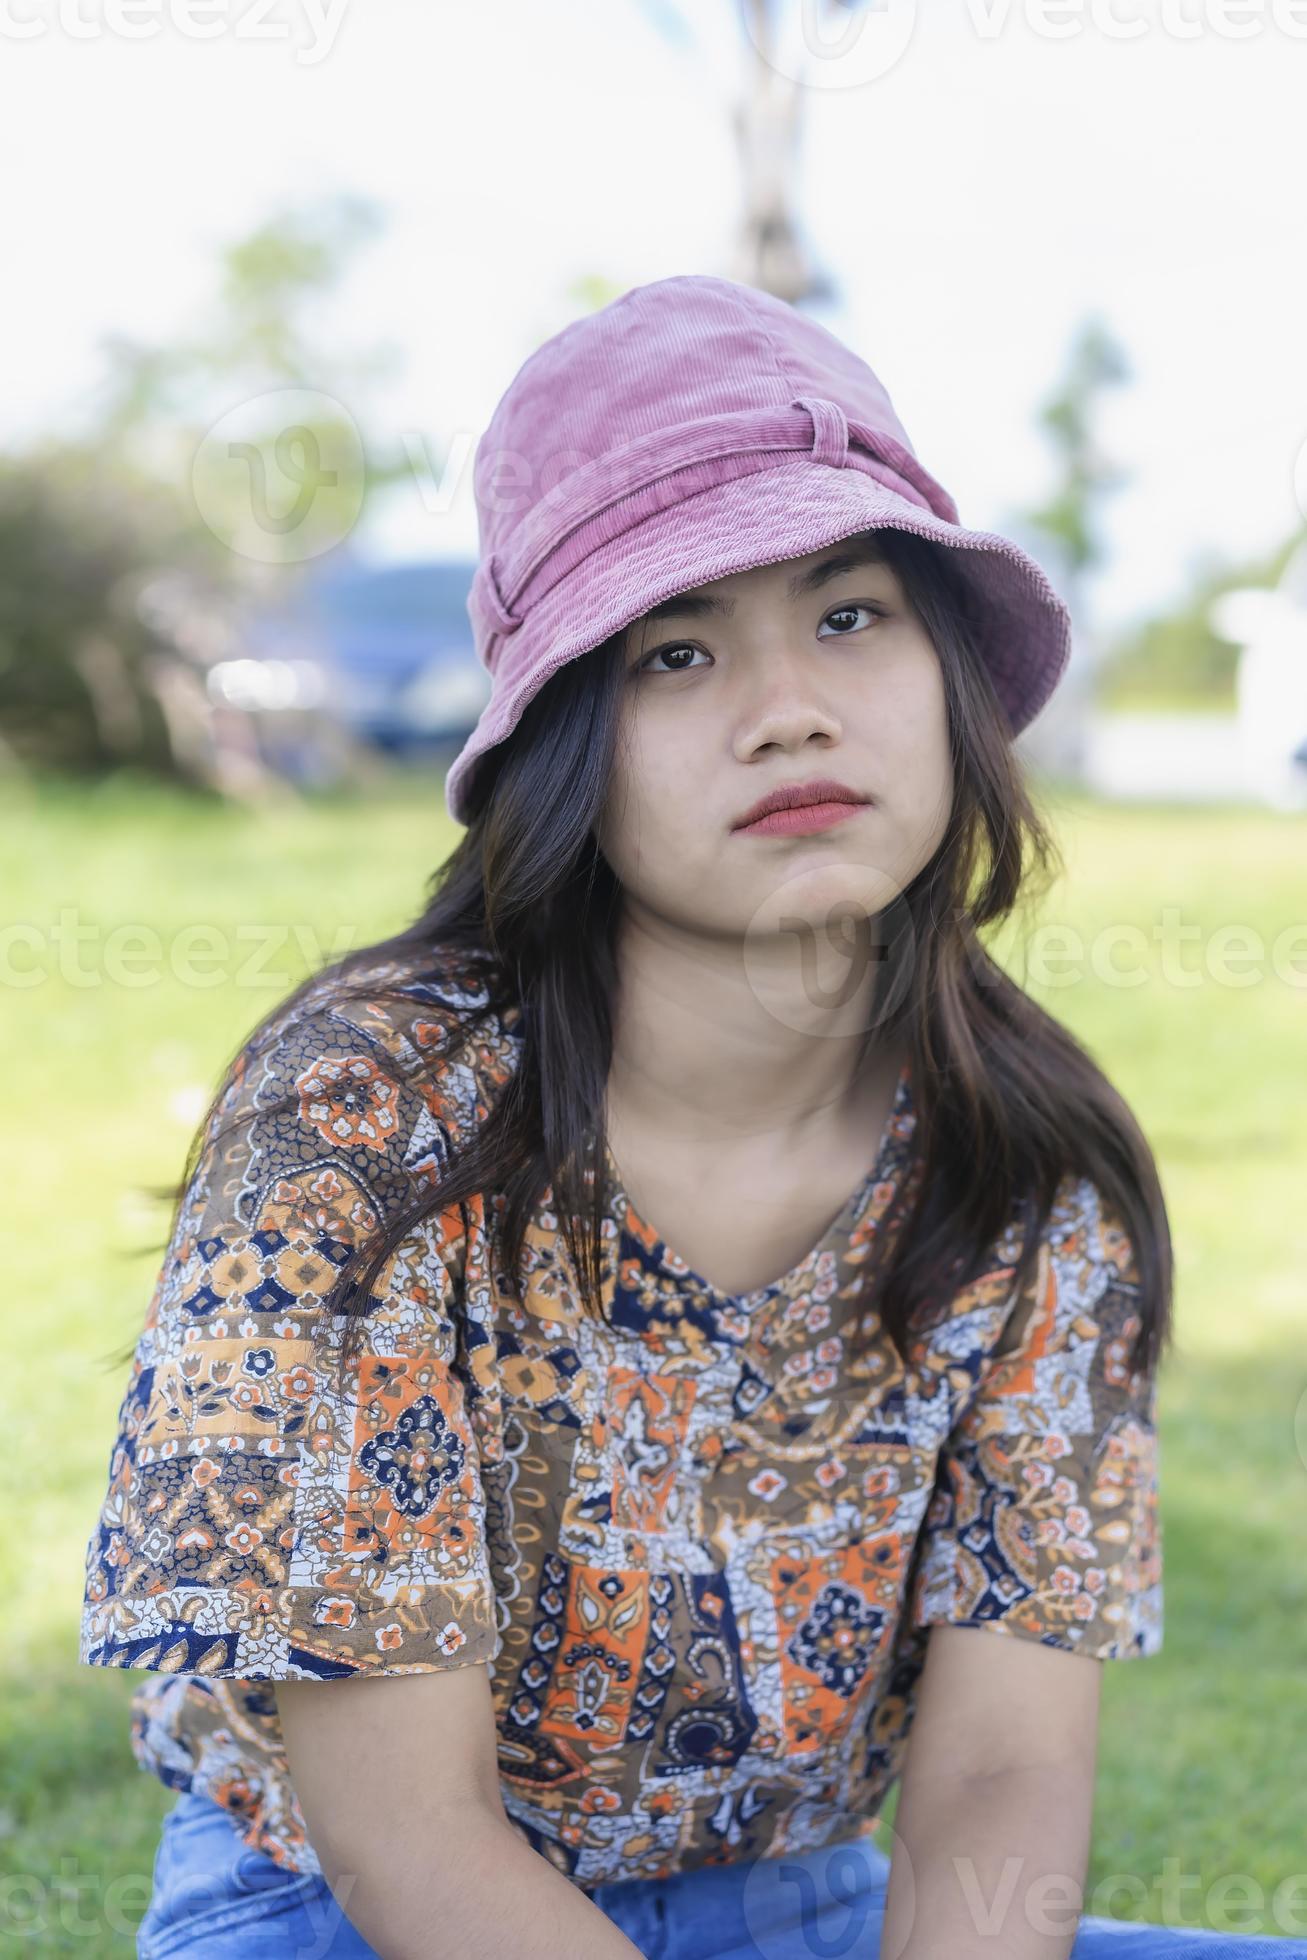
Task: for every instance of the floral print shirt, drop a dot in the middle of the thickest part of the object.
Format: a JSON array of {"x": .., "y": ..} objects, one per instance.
[{"x": 699, "y": 1542}]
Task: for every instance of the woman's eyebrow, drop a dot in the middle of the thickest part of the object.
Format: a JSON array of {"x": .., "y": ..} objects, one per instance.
[{"x": 701, "y": 605}]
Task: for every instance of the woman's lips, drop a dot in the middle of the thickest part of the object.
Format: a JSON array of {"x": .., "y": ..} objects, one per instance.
[{"x": 803, "y": 817}]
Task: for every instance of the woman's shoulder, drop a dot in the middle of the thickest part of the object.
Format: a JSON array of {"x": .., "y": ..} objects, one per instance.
[
  {"x": 1078, "y": 1295},
  {"x": 238, "y": 1532},
  {"x": 348, "y": 1097},
  {"x": 1075, "y": 1272},
  {"x": 437, "y": 1029}
]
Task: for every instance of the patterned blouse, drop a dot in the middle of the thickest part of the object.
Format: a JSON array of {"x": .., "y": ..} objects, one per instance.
[{"x": 698, "y": 1541}]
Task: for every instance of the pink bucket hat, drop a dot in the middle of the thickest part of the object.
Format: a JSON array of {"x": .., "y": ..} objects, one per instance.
[{"x": 692, "y": 428}]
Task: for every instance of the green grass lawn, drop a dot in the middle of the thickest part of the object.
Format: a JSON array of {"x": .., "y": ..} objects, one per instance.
[{"x": 1199, "y": 1763}]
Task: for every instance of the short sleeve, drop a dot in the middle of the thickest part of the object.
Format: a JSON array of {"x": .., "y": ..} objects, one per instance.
[
  {"x": 260, "y": 1521},
  {"x": 1044, "y": 1521}
]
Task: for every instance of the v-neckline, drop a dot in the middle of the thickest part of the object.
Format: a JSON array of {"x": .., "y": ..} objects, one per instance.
[{"x": 628, "y": 1218}]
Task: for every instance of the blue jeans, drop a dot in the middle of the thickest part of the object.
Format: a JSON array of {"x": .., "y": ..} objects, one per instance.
[{"x": 215, "y": 1899}]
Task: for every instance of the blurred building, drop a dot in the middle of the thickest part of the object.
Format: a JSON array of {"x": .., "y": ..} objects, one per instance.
[
  {"x": 1258, "y": 753},
  {"x": 1270, "y": 629}
]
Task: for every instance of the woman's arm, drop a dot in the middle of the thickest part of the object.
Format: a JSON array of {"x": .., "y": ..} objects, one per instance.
[
  {"x": 398, "y": 1781},
  {"x": 997, "y": 1868},
  {"x": 992, "y": 1831}
]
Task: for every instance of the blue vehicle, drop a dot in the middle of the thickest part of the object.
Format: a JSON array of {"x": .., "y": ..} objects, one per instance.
[
  {"x": 385, "y": 651},
  {"x": 398, "y": 639}
]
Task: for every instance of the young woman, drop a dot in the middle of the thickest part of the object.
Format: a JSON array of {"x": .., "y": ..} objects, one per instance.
[{"x": 629, "y": 1343}]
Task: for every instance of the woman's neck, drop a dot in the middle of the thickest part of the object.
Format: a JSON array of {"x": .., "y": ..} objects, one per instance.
[{"x": 718, "y": 1047}]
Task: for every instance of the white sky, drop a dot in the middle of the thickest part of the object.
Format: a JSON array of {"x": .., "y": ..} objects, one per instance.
[{"x": 974, "y": 202}]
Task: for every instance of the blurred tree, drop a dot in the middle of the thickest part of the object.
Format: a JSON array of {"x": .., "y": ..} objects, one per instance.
[
  {"x": 1068, "y": 520},
  {"x": 1063, "y": 533},
  {"x": 260, "y": 371},
  {"x": 206, "y": 473},
  {"x": 771, "y": 250},
  {"x": 78, "y": 663},
  {"x": 254, "y": 333}
]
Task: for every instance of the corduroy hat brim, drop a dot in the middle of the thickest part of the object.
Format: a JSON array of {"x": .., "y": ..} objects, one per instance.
[{"x": 1022, "y": 627}]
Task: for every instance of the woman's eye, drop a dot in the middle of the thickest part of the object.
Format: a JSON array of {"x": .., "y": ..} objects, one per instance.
[
  {"x": 847, "y": 613},
  {"x": 675, "y": 653},
  {"x": 680, "y": 653}
]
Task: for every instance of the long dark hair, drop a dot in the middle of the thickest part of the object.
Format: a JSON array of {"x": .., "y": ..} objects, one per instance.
[{"x": 1007, "y": 1101}]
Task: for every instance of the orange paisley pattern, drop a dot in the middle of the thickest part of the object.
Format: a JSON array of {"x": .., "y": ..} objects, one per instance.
[{"x": 698, "y": 1542}]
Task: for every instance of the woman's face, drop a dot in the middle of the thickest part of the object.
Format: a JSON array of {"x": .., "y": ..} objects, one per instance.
[{"x": 810, "y": 667}]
